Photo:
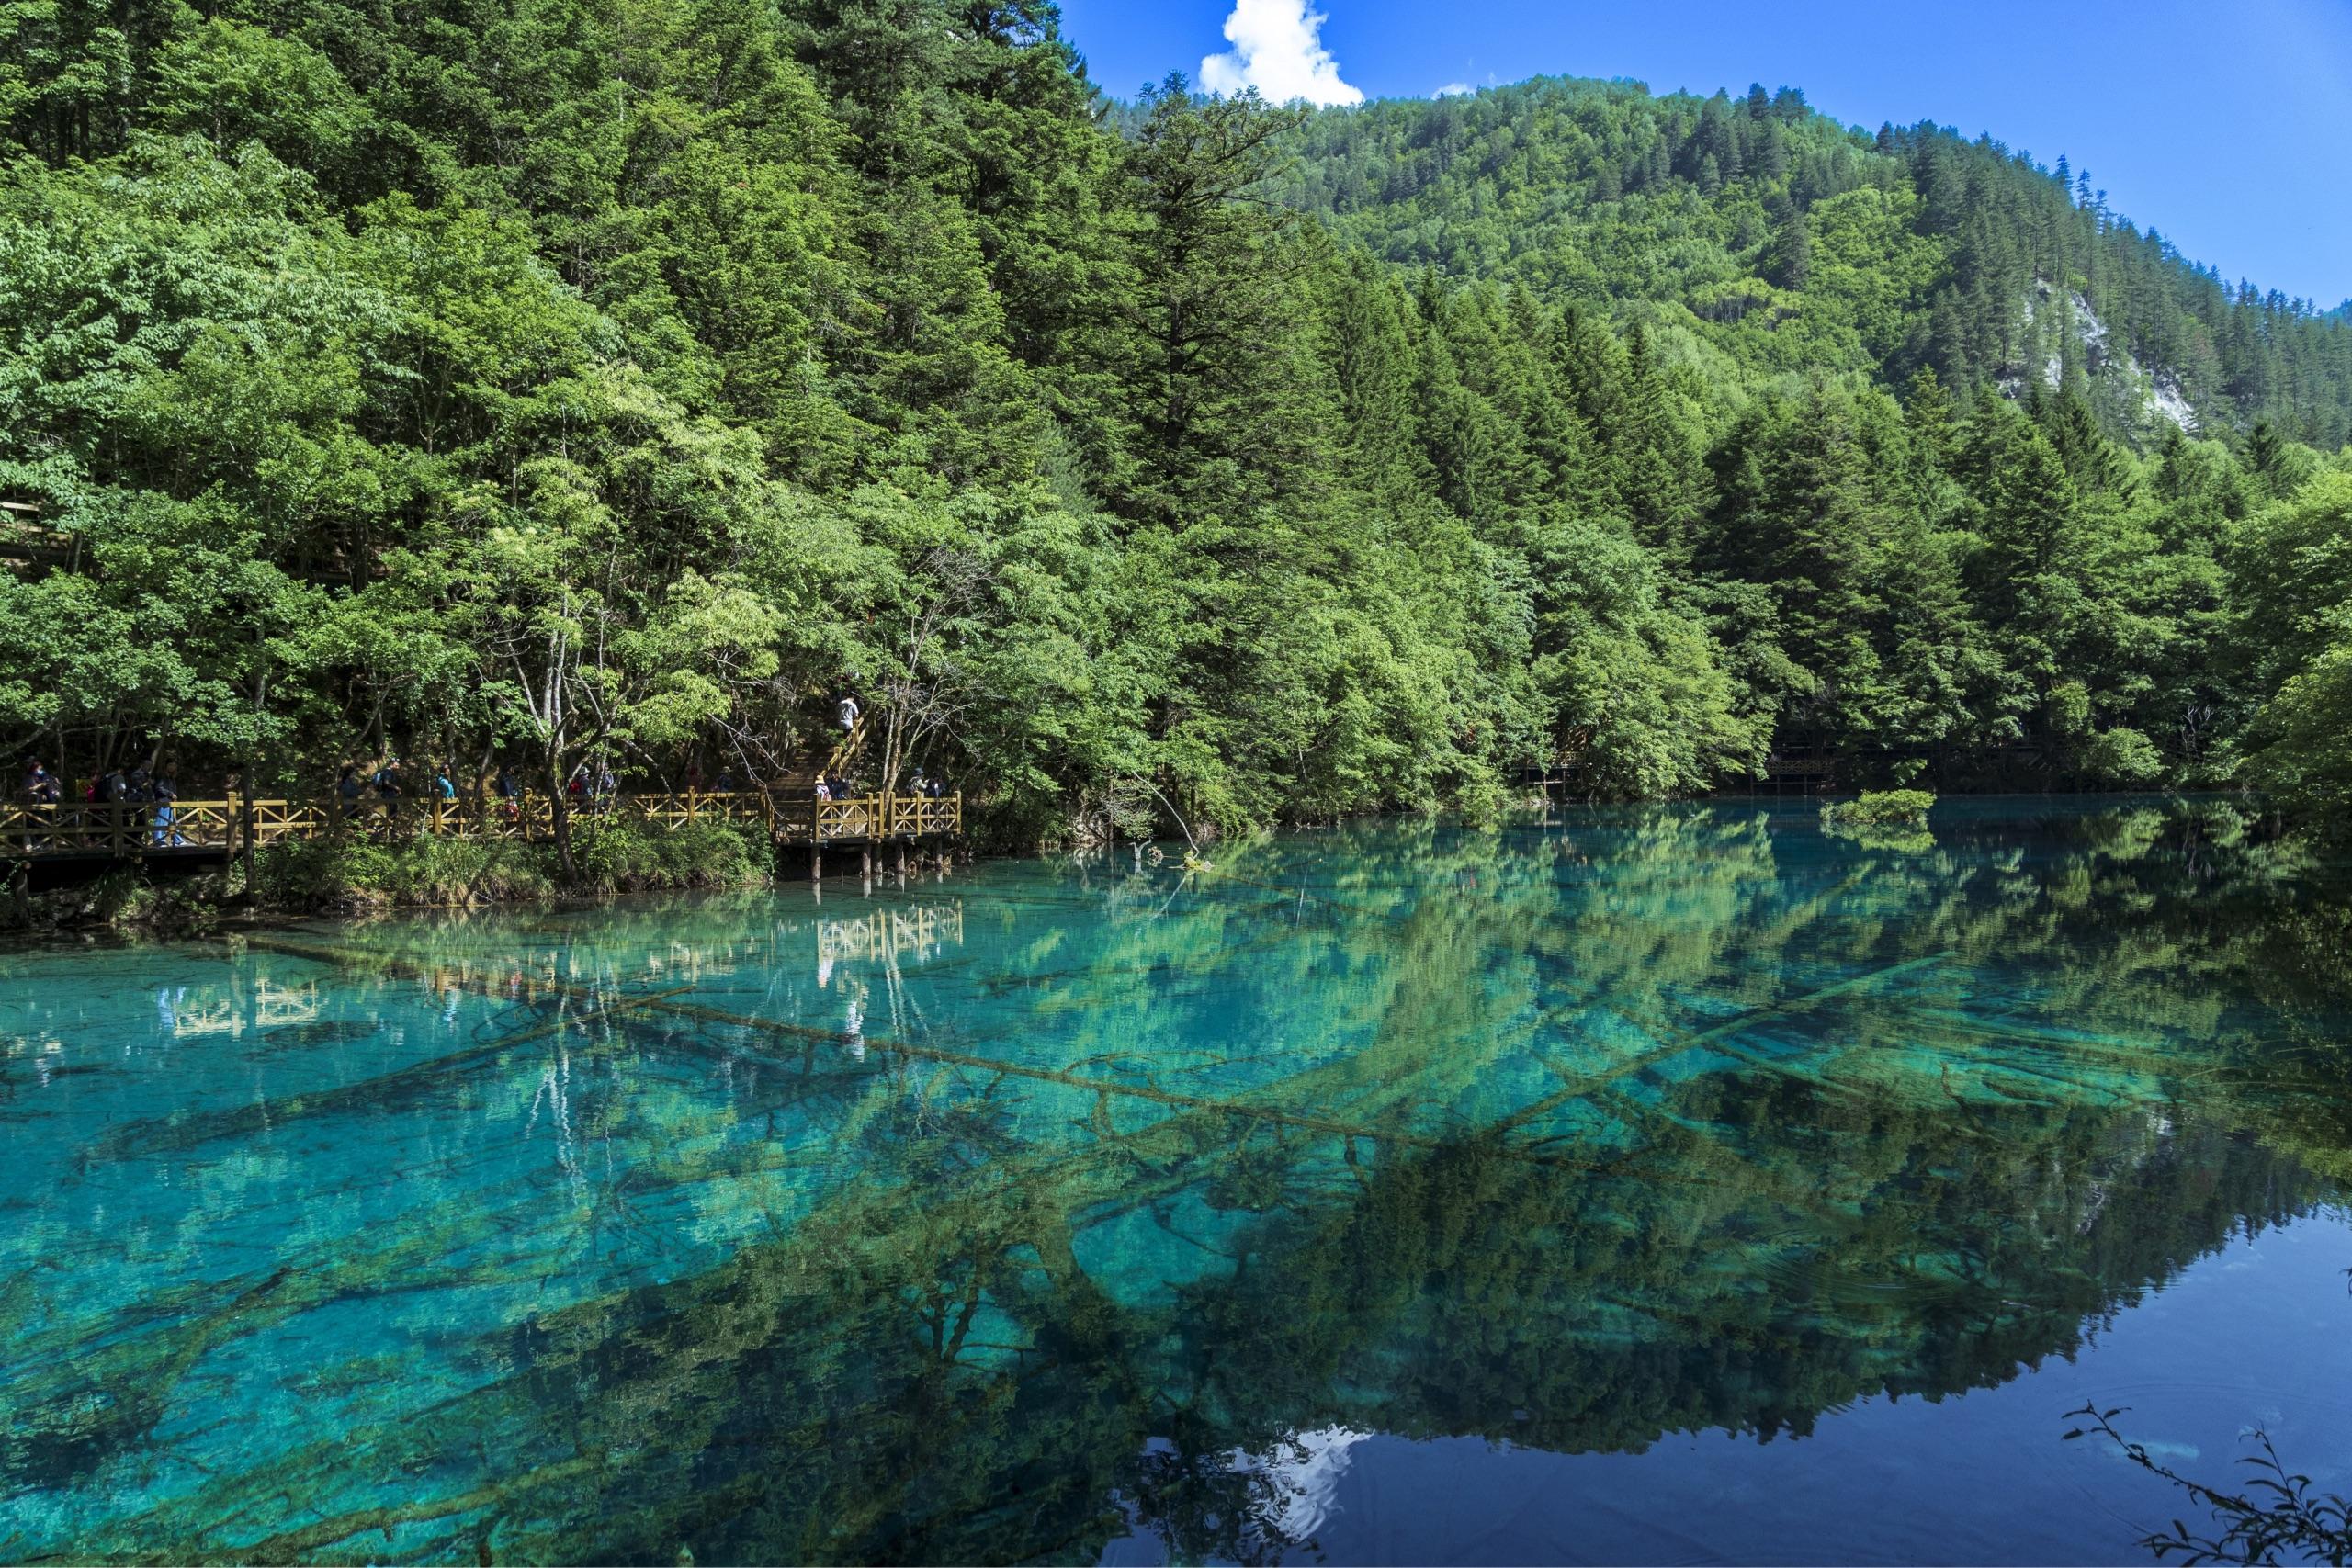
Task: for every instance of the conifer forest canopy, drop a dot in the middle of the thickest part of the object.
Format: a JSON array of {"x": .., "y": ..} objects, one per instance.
[{"x": 574, "y": 378}]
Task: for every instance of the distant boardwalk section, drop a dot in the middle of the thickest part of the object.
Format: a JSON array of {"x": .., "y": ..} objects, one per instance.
[{"x": 213, "y": 829}]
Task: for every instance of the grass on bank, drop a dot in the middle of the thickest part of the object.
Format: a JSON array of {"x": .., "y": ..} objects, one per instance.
[
  {"x": 609, "y": 857},
  {"x": 352, "y": 876}
]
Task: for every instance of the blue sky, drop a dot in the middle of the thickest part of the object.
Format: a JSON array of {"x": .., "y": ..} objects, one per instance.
[{"x": 2226, "y": 126}]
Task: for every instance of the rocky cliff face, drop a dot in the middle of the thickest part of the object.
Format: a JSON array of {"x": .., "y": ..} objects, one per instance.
[{"x": 2053, "y": 338}]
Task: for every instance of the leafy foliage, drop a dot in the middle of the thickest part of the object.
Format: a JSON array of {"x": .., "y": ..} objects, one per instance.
[
  {"x": 2278, "y": 1511},
  {"x": 1882, "y": 807},
  {"x": 349, "y": 874},
  {"x": 346, "y": 874},
  {"x": 576, "y": 383}
]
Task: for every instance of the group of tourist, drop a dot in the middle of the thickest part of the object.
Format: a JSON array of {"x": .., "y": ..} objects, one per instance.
[
  {"x": 594, "y": 790},
  {"x": 385, "y": 786},
  {"x": 391, "y": 783},
  {"x": 154, "y": 791},
  {"x": 589, "y": 786},
  {"x": 695, "y": 785}
]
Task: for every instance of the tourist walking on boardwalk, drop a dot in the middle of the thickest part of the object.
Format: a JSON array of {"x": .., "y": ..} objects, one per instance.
[
  {"x": 846, "y": 713},
  {"x": 166, "y": 790},
  {"x": 41, "y": 789},
  {"x": 347, "y": 791},
  {"x": 509, "y": 792},
  {"x": 388, "y": 788}
]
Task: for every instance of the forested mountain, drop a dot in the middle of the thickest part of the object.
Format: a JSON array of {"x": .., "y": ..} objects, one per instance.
[
  {"x": 572, "y": 380},
  {"x": 1766, "y": 238}
]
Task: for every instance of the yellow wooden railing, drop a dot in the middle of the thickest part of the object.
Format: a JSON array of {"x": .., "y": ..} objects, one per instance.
[{"x": 129, "y": 828}]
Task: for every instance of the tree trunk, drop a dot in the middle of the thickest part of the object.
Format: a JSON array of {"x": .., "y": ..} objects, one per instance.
[
  {"x": 560, "y": 817},
  {"x": 248, "y": 820},
  {"x": 474, "y": 785}
]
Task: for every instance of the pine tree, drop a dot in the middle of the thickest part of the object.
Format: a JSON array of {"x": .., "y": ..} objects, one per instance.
[
  {"x": 1213, "y": 343},
  {"x": 1793, "y": 251}
]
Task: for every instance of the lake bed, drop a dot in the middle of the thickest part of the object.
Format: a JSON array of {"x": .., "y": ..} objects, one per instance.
[{"x": 1673, "y": 1183}]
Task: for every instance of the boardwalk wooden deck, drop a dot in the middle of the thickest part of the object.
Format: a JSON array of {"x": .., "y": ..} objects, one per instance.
[{"x": 216, "y": 829}]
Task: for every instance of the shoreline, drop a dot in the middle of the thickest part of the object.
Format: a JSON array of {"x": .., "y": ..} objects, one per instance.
[{"x": 355, "y": 880}]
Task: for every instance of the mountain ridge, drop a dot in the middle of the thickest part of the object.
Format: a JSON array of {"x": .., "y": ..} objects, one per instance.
[{"x": 1683, "y": 212}]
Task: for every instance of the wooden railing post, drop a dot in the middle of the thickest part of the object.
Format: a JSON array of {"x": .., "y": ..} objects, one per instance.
[{"x": 249, "y": 819}]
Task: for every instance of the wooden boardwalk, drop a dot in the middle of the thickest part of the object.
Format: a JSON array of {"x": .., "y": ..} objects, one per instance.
[{"x": 215, "y": 829}]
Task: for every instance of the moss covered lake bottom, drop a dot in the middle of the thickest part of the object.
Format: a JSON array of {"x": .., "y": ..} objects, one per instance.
[{"x": 1649, "y": 1185}]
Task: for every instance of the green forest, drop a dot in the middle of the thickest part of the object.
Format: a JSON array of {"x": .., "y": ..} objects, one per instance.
[{"x": 625, "y": 382}]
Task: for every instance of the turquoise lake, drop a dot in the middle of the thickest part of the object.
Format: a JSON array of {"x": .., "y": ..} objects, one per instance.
[{"x": 1670, "y": 1184}]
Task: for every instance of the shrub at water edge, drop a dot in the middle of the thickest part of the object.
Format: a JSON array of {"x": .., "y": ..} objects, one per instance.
[
  {"x": 1881, "y": 809},
  {"x": 611, "y": 858}
]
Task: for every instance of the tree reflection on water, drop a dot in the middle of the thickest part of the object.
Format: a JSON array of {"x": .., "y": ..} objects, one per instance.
[{"x": 999, "y": 1218}]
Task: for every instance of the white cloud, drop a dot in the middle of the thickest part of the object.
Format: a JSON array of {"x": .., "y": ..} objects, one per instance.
[
  {"x": 1454, "y": 90},
  {"x": 1277, "y": 49}
]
